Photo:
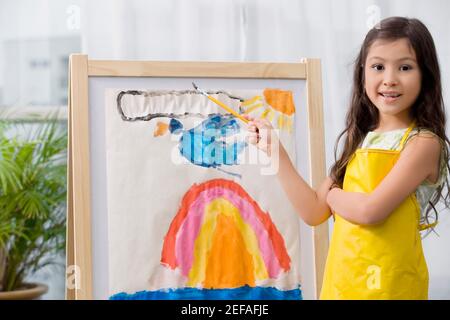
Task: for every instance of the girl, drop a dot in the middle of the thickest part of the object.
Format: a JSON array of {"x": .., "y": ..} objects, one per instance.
[{"x": 391, "y": 171}]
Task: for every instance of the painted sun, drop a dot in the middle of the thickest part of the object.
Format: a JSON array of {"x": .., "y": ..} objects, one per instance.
[{"x": 275, "y": 105}]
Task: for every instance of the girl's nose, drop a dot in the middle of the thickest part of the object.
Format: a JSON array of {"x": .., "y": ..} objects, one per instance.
[
  {"x": 390, "y": 79},
  {"x": 390, "y": 83}
]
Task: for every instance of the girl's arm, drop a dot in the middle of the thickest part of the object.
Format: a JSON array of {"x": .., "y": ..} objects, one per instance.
[
  {"x": 418, "y": 161},
  {"x": 310, "y": 204}
]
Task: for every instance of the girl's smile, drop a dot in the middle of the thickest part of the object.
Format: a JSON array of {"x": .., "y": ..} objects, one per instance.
[
  {"x": 390, "y": 96},
  {"x": 392, "y": 81}
]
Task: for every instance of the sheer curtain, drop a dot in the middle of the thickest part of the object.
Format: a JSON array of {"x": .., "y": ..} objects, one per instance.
[
  {"x": 263, "y": 30},
  {"x": 255, "y": 30}
]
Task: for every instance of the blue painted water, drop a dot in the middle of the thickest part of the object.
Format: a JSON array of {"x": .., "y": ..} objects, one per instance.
[{"x": 242, "y": 293}]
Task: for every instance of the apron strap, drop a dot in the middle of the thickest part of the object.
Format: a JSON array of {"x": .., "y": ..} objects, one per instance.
[{"x": 405, "y": 136}]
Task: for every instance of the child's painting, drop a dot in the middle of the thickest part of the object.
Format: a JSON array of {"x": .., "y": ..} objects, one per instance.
[{"x": 194, "y": 211}]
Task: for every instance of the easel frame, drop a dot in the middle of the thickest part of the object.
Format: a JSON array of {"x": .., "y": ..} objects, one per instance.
[{"x": 79, "y": 237}]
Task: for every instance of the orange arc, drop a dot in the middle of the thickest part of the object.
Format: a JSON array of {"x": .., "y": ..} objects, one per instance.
[{"x": 229, "y": 263}]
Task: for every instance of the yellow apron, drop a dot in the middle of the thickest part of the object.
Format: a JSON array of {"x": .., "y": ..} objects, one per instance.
[{"x": 383, "y": 261}]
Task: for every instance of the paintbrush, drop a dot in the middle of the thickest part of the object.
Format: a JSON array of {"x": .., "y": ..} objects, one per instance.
[{"x": 221, "y": 104}]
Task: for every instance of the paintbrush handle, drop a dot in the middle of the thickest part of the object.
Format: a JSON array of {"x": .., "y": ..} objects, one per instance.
[{"x": 227, "y": 108}]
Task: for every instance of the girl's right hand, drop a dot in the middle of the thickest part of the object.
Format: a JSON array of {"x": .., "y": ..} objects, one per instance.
[{"x": 260, "y": 133}]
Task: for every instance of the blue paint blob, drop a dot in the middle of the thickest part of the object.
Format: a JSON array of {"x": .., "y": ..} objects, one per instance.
[
  {"x": 175, "y": 126},
  {"x": 204, "y": 144},
  {"x": 242, "y": 293}
]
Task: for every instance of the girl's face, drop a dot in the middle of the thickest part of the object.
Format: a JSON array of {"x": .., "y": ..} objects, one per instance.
[{"x": 392, "y": 78}]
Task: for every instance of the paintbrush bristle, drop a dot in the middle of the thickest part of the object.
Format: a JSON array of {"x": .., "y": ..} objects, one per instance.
[{"x": 199, "y": 90}]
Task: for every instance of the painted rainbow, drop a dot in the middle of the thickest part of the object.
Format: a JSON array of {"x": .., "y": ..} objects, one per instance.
[
  {"x": 224, "y": 246},
  {"x": 220, "y": 238}
]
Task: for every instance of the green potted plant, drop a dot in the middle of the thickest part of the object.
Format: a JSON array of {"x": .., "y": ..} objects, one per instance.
[{"x": 32, "y": 204}]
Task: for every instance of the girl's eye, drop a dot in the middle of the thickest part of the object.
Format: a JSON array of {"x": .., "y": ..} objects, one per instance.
[
  {"x": 405, "y": 67},
  {"x": 377, "y": 67}
]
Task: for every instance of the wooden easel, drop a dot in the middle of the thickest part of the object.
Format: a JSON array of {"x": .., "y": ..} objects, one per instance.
[{"x": 79, "y": 238}]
